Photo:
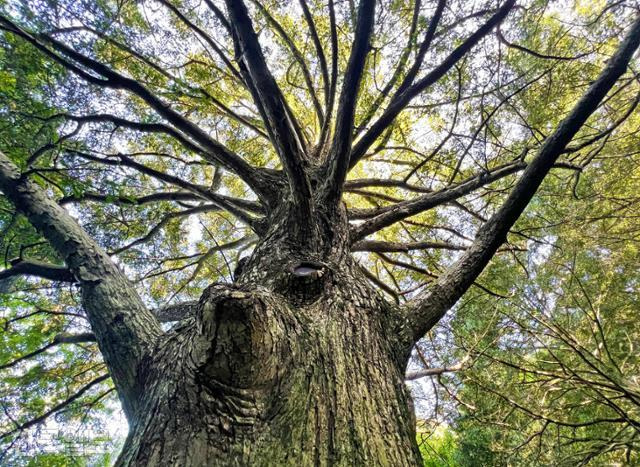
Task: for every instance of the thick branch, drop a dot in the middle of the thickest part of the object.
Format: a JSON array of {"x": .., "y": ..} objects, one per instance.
[
  {"x": 338, "y": 162},
  {"x": 124, "y": 328},
  {"x": 176, "y": 312},
  {"x": 47, "y": 271},
  {"x": 427, "y": 309},
  {"x": 376, "y": 246},
  {"x": 287, "y": 143}
]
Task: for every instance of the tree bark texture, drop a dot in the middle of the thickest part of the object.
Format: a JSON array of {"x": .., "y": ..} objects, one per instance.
[{"x": 295, "y": 363}]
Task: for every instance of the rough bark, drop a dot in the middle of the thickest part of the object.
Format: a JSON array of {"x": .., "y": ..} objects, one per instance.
[{"x": 290, "y": 365}]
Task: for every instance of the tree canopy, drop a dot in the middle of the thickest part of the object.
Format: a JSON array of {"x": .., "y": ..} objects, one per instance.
[{"x": 163, "y": 126}]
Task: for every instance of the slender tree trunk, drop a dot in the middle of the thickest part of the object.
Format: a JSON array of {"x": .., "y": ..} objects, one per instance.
[{"x": 294, "y": 364}]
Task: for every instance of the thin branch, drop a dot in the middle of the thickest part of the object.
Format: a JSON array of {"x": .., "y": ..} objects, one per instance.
[
  {"x": 56, "y": 407},
  {"x": 62, "y": 338},
  {"x": 333, "y": 30},
  {"x": 235, "y": 206},
  {"x": 388, "y": 215},
  {"x": 163, "y": 222},
  {"x": 417, "y": 374},
  {"x": 424, "y": 48},
  {"x": 375, "y": 280},
  {"x": 322, "y": 60},
  {"x": 607, "y": 131},
  {"x": 112, "y": 79},
  {"x": 521, "y": 48},
  {"x": 131, "y": 200},
  {"x": 297, "y": 55},
  {"x": 399, "y": 69},
  {"x": 200, "y": 32}
]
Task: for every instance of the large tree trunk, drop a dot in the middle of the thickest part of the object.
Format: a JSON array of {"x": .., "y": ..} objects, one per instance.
[{"x": 294, "y": 364}]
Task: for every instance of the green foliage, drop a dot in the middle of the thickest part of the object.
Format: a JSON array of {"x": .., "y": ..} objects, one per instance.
[
  {"x": 553, "y": 361},
  {"x": 438, "y": 447}
]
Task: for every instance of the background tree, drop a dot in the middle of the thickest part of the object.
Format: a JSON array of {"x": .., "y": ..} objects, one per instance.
[{"x": 297, "y": 156}]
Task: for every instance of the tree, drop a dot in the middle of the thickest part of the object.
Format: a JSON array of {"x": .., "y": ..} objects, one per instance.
[{"x": 156, "y": 113}]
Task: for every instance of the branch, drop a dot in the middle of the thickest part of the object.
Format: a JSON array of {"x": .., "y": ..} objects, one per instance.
[
  {"x": 131, "y": 200},
  {"x": 428, "y": 307},
  {"x": 235, "y": 206},
  {"x": 376, "y": 246},
  {"x": 124, "y": 328},
  {"x": 415, "y": 68},
  {"x": 399, "y": 69},
  {"x": 287, "y": 142},
  {"x": 62, "y": 338},
  {"x": 521, "y": 48},
  {"x": 400, "y": 101},
  {"x": 607, "y": 131},
  {"x": 297, "y": 55},
  {"x": 333, "y": 31},
  {"x": 205, "y": 37},
  {"x": 112, "y": 79},
  {"x": 119, "y": 122},
  {"x": 56, "y": 407},
  {"x": 376, "y": 281},
  {"x": 417, "y": 374},
  {"x": 388, "y": 215},
  {"x": 384, "y": 182},
  {"x": 338, "y": 161},
  {"x": 47, "y": 271},
  {"x": 322, "y": 60},
  {"x": 176, "y": 312},
  {"x": 424, "y": 47},
  {"x": 164, "y": 221}
]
